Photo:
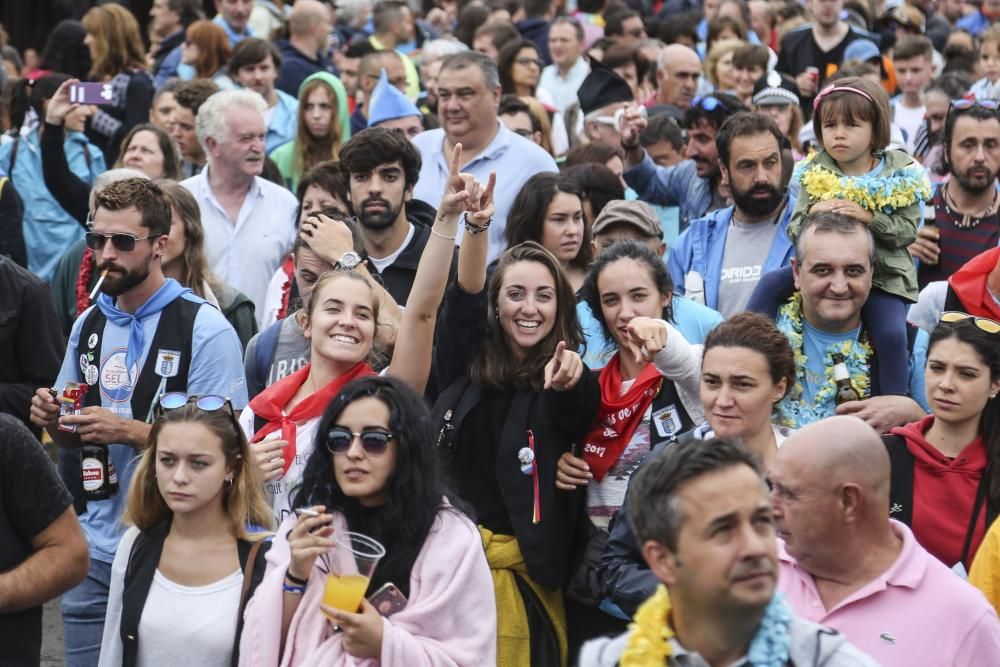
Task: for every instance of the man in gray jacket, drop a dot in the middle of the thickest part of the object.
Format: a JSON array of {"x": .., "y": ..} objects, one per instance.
[{"x": 702, "y": 514}]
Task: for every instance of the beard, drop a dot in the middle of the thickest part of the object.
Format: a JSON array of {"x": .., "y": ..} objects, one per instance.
[
  {"x": 974, "y": 184},
  {"x": 377, "y": 221},
  {"x": 115, "y": 286},
  {"x": 755, "y": 207}
]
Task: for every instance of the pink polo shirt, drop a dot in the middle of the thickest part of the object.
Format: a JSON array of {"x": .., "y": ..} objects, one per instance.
[{"x": 918, "y": 612}]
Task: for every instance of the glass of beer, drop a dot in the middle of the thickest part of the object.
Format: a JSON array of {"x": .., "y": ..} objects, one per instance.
[{"x": 353, "y": 561}]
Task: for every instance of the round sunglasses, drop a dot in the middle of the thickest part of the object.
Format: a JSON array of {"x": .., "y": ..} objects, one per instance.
[{"x": 339, "y": 440}]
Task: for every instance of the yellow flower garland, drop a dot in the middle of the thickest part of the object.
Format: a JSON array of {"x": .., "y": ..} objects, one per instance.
[
  {"x": 649, "y": 633},
  {"x": 879, "y": 193}
]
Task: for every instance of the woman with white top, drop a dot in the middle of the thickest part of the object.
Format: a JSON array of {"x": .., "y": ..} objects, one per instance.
[
  {"x": 344, "y": 310},
  {"x": 178, "y": 579}
]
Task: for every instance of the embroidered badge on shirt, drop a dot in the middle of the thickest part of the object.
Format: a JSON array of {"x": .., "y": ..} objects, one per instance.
[
  {"x": 887, "y": 638},
  {"x": 667, "y": 420},
  {"x": 167, "y": 362}
]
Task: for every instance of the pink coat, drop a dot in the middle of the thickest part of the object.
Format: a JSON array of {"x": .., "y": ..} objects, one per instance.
[{"x": 449, "y": 621}]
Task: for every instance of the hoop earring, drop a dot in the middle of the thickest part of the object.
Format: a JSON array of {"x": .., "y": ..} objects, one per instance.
[{"x": 227, "y": 484}]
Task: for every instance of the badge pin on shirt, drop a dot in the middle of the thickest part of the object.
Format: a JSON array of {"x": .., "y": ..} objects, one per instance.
[
  {"x": 526, "y": 457},
  {"x": 167, "y": 362}
]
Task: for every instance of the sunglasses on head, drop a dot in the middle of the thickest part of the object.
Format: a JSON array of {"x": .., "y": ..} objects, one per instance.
[
  {"x": 964, "y": 103},
  {"x": 121, "y": 242},
  {"x": 175, "y": 400},
  {"x": 339, "y": 440},
  {"x": 982, "y": 323}
]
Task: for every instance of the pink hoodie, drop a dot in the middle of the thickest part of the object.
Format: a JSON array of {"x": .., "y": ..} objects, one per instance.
[{"x": 449, "y": 621}]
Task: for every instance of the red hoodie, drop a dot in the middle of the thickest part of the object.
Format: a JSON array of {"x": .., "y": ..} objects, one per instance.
[
  {"x": 969, "y": 285},
  {"x": 944, "y": 493}
]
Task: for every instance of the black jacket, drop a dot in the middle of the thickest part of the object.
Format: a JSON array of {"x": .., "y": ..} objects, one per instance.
[
  {"x": 69, "y": 190},
  {"x": 397, "y": 278},
  {"x": 625, "y": 577},
  {"x": 556, "y": 420},
  {"x": 12, "y": 224},
  {"x": 31, "y": 342}
]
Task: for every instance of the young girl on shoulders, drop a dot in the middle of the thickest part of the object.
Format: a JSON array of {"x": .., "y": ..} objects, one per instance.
[{"x": 854, "y": 174}]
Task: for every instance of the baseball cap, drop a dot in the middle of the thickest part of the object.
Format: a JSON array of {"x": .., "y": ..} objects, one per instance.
[{"x": 636, "y": 214}]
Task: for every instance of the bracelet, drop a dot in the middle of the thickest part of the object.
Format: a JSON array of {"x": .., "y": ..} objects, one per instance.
[
  {"x": 294, "y": 590},
  {"x": 475, "y": 229},
  {"x": 295, "y": 580},
  {"x": 441, "y": 236}
]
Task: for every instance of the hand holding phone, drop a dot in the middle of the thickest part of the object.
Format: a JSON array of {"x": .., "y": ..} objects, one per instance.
[
  {"x": 388, "y": 600},
  {"x": 91, "y": 93}
]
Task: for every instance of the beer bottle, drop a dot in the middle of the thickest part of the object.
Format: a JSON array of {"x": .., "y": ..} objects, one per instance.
[
  {"x": 930, "y": 224},
  {"x": 112, "y": 476},
  {"x": 94, "y": 472},
  {"x": 845, "y": 391}
]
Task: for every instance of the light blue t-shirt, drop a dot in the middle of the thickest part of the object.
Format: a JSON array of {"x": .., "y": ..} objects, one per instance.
[
  {"x": 216, "y": 368},
  {"x": 693, "y": 320},
  {"x": 815, "y": 344}
]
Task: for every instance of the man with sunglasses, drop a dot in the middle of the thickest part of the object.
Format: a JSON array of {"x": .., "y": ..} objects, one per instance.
[
  {"x": 963, "y": 219},
  {"x": 696, "y": 183},
  {"x": 146, "y": 335}
]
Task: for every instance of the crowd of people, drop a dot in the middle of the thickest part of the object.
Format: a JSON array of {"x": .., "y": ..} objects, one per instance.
[{"x": 618, "y": 332}]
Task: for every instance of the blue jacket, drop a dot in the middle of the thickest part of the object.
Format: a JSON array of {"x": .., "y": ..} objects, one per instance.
[
  {"x": 974, "y": 23},
  {"x": 700, "y": 248},
  {"x": 168, "y": 67},
  {"x": 48, "y": 229},
  {"x": 678, "y": 185},
  {"x": 284, "y": 121}
]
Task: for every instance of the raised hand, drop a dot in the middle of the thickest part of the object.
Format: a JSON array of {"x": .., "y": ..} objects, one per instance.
[
  {"x": 646, "y": 337},
  {"x": 564, "y": 370},
  {"x": 633, "y": 123},
  {"x": 59, "y": 106}
]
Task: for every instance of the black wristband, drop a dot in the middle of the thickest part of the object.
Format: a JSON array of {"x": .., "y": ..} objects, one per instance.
[{"x": 295, "y": 580}]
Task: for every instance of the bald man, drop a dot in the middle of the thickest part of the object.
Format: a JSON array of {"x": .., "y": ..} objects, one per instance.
[
  {"x": 846, "y": 565},
  {"x": 677, "y": 72},
  {"x": 304, "y": 52}
]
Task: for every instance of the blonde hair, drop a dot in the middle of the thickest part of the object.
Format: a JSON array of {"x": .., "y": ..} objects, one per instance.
[
  {"x": 117, "y": 44},
  {"x": 719, "y": 50},
  {"x": 243, "y": 500}
]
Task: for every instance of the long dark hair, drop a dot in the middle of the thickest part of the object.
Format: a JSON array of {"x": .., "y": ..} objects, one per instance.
[
  {"x": 641, "y": 254},
  {"x": 526, "y": 220},
  {"x": 987, "y": 346},
  {"x": 505, "y": 63},
  {"x": 414, "y": 491},
  {"x": 496, "y": 366}
]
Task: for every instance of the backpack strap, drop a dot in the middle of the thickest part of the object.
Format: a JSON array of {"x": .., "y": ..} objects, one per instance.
[
  {"x": 254, "y": 564},
  {"x": 142, "y": 563},
  {"x": 264, "y": 351},
  {"x": 900, "y": 479}
]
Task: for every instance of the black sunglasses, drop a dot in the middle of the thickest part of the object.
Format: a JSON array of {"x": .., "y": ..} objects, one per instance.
[
  {"x": 339, "y": 440},
  {"x": 121, "y": 242}
]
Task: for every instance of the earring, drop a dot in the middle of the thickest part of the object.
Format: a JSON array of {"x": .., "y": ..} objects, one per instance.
[{"x": 228, "y": 483}]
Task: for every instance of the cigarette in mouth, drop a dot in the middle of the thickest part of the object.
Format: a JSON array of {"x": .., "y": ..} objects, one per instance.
[{"x": 93, "y": 294}]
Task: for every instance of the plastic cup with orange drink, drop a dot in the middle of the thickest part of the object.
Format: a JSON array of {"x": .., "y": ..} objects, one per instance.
[{"x": 352, "y": 564}]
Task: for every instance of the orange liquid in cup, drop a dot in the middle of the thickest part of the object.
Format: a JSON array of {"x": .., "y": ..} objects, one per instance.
[{"x": 345, "y": 592}]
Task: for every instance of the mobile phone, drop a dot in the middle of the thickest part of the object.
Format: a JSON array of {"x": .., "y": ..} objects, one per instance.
[
  {"x": 91, "y": 93},
  {"x": 388, "y": 599}
]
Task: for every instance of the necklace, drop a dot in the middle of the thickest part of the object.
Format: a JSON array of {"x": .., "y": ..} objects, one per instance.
[{"x": 966, "y": 220}]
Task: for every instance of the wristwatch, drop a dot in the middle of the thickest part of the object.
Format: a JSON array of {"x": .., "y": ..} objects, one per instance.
[{"x": 348, "y": 261}]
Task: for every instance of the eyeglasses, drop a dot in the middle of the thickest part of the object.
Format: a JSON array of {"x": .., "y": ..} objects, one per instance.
[
  {"x": 982, "y": 323},
  {"x": 530, "y": 61},
  {"x": 339, "y": 440},
  {"x": 121, "y": 242},
  {"x": 523, "y": 132}
]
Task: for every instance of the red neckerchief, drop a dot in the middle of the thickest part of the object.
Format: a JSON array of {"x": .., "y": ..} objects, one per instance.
[
  {"x": 83, "y": 281},
  {"x": 619, "y": 415},
  {"x": 270, "y": 404},
  {"x": 969, "y": 285}
]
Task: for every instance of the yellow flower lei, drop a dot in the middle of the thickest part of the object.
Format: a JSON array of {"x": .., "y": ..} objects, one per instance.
[
  {"x": 874, "y": 193},
  {"x": 649, "y": 633}
]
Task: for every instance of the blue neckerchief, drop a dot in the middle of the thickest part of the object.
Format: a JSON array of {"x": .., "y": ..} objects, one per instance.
[
  {"x": 770, "y": 644},
  {"x": 164, "y": 297}
]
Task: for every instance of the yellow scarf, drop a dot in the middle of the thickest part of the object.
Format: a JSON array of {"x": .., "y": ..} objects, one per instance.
[
  {"x": 649, "y": 633},
  {"x": 513, "y": 634}
]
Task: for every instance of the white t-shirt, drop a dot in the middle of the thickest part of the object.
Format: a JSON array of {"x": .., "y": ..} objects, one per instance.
[
  {"x": 909, "y": 121},
  {"x": 381, "y": 263},
  {"x": 189, "y": 625},
  {"x": 280, "y": 491}
]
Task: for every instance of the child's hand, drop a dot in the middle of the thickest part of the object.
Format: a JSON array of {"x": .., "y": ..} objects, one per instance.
[{"x": 843, "y": 207}]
